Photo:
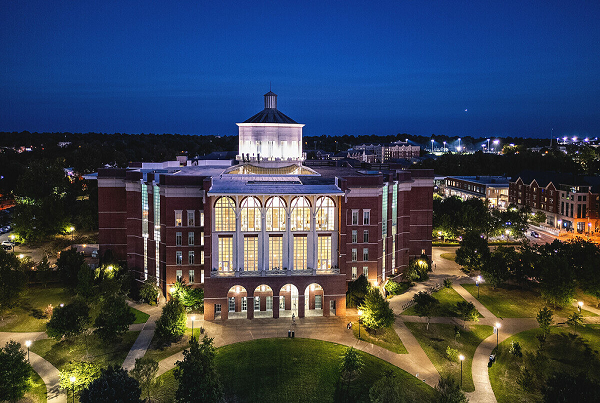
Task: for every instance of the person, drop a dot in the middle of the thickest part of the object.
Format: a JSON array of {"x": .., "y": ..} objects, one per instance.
[{"x": 293, "y": 318}]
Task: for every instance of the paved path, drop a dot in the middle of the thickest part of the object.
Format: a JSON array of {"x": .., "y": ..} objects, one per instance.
[{"x": 146, "y": 333}]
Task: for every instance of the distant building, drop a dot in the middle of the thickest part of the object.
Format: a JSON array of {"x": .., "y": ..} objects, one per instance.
[
  {"x": 494, "y": 189},
  {"x": 373, "y": 153}
]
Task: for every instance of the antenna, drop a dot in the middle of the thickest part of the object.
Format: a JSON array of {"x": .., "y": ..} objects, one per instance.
[
  {"x": 269, "y": 86},
  {"x": 551, "y": 135}
]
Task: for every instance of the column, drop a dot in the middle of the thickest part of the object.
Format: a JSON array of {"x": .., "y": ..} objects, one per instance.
[
  {"x": 209, "y": 311},
  {"x": 340, "y": 306},
  {"x": 326, "y": 303},
  {"x": 250, "y": 307},
  {"x": 300, "y": 305},
  {"x": 275, "y": 306}
]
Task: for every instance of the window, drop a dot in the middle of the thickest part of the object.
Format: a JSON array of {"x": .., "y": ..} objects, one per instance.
[
  {"x": 225, "y": 253},
  {"x": 354, "y": 254},
  {"x": 366, "y": 271},
  {"x": 192, "y": 277},
  {"x": 191, "y": 219},
  {"x": 325, "y": 214},
  {"x": 324, "y": 256},
  {"x": 365, "y": 236},
  {"x": 318, "y": 302},
  {"x": 178, "y": 238},
  {"x": 231, "y": 304},
  {"x": 201, "y": 257},
  {"x": 275, "y": 252},
  {"x": 191, "y": 257},
  {"x": 366, "y": 217},
  {"x": 251, "y": 214},
  {"x": 269, "y": 303},
  {"x": 250, "y": 253},
  {"x": 354, "y": 236},
  {"x": 276, "y": 215},
  {"x": 202, "y": 238},
  {"x": 354, "y": 217},
  {"x": 300, "y": 218},
  {"x": 190, "y": 238},
  {"x": 244, "y": 304},
  {"x": 178, "y": 257},
  {"x": 225, "y": 214},
  {"x": 217, "y": 309},
  {"x": 257, "y": 303},
  {"x": 299, "y": 253},
  {"x": 178, "y": 275},
  {"x": 202, "y": 219},
  {"x": 365, "y": 253},
  {"x": 178, "y": 222},
  {"x": 282, "y": 302},
  {"x": 354, "y": 272}
]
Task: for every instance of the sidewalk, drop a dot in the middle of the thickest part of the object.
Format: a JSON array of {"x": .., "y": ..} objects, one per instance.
[{"x": 146, "y": 333}]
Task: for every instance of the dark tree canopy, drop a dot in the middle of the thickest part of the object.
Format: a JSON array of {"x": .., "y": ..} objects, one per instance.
[
  {"x": 114, "y": 318},
  {"x": 68, "y": 264},
  {"x": 357, "y": 290},
  {"x": 474, "y": 252},
  {"x": 197, "y": 374},
  {"x": 12, "y": 280},
  {"x": 15, "y": 372},
  {"x": 113, "y": 385},
  {"x": 172, "y": 322},
  {"x": 70, "y": 320}
]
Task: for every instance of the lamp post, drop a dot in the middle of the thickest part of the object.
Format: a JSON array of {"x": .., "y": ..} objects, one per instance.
[
  {"x": 28, "y": 344},
  {"x": 488, "y": 147},
  {"x": 498, "y": 325},
  {"x": 12, "y": 242},
  {"x": 72, "y": 230},
  {"x": 459, "y": 148},
  {"x": 496, "y": 142},
  {"x": 477, "y": 283},
  {"x": 193, "y": 318},
  {"x": 72, "y": 379},
  {"x": 461, "y": 358},
  {"x": 360, "y": 312},
  {"x": 432, "y": 146},
  {"x": 444, "y": 146},
  {"x": 580, "y": 305}
]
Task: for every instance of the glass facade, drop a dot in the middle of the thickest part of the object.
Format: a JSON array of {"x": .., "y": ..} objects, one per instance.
[
  {"x": 325, "y": 214},
  {"x": 250, "y": 253},
  {"x": 324, "y": 255},
  {"x": 300, "y": 252},
  {"x": 276, "y": 215},
  {"x": 275, "y": 252},
  {"x": 300, "y": 217},
  {"x": 250, "y": 214},
  {"x": 225, "y": 253},
  {"x": 225, "y": 214}
]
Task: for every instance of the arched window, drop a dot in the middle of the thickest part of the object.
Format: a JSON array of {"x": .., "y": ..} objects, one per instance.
[
  {"x": 250, "y": 214},
  {"x": 300, "y": 219},
  {"x": 225, "y": 214},
  {"x": 325, "y": 214},
  {"x": 276, "y": 215}
]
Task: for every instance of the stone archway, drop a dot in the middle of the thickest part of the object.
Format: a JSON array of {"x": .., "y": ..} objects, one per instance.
[
  {"x": 237, "y": 302},
  {"x": 263, "y": 301},
  {"x": 313, "y": 300},
  {"x": 288, "y": 300}
]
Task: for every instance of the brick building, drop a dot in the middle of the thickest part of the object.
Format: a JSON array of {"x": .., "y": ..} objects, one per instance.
[
  {"x": 494, "y": 189},
  {"x": 265, "y": 235}
]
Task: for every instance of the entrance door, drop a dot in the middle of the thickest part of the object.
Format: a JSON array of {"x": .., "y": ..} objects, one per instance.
[
  {"x": 295, "y": 301},
  {"x": 231, "y": 304},
  {"x": 332, "y": 307},
  {"x": 318, "y": 302}
]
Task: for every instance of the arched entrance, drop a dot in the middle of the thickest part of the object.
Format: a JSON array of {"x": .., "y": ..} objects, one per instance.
[
  {"x": 313, "y": 300},
  {"x": 237, "y": 302},
  {"x": 288, "y": 301},
  {"x": 263, "y": 301}
]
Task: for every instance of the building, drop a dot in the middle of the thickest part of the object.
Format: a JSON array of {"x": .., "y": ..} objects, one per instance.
[
  {"x": 494, "y": 189},
  {"x": 265, "y": 235},
  {"x": 377, "y": 153},
  {"x": 570, "y": 202}
]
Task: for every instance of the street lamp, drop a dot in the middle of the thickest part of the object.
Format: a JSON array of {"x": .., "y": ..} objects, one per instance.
[
  {"x": 477, "y": 283},
  {"x": 495, "y": 144},
  {"x": 72, "y": 379},
  {"x": 461, "y": 358},
  {"x": 72, "y": 230},
  {"x": 360, "y": 312},
  {"x": 580, "y": 305},
  {"x": 459, "y": 148},
  {"x": 28, "y": 344},
  {"x": 444, "y": 146},
  {"x": 12, "y": 241},
  {"x": 432, "y": 146},
  {"x": 193, "y": 318},
  {"x": 488, "y": 147},
  {"x": 498, "y": 325}
]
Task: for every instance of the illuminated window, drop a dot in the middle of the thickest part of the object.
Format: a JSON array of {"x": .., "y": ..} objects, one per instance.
[
  {"x": 276, "y": 215},
  {"x": 191, "y": 218},
  {"x": 366, "y": 217},
  {"x": 282, "y": 302},
  {"x": 178, "y": 222},
  {"x": 257, "y": 303},
  {"x": 250, "y": 214},
  {"x": 366, "y": 254},
  {"x": 354, "y": 272},
  {"x": 225, "y": 253},
  {"x": 201, "y": 257},
  {"x": 202, "y": 238},
  {"x": 324, "y": 246},
  {"x": 275, "y": 252},
  {"x": 354, "y": 236},
  {"x": 299, "y": 253},
  {"x": 354, "y": 254},
  {"x": 178, "y": 257},
  {"x": 269, "y": 303},
  {"x": 192, "y": 276},
  {"x": 202, "y": 219},
  {"x": 325, "y": 214},
  {"x": 225, "y": 214},
  {"x": 178, "y": 275},
  {"x": 191, "y": 257},
  {"x": 366, "y": 271},
  {"x": 190, "y": 238},
  {"x": 178, "y": 238},
  {"x": 354, "y": 217},
  {"x": 300, "y": 219},
  {"x": 251, "y": 253}
]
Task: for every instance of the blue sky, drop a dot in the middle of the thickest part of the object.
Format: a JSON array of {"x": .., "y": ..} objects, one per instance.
[{"x": 348, "y": 67}]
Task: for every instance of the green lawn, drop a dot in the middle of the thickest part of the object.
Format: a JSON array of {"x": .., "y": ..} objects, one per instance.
[
  {"x": 446, "y": 308},
  {"x": 37, "y": 393},
  {"x": 102, "y": 353},
  {"x": 140, "y": 317},
  {"x": 28, "y": 316},
  {"x": 386, "y": 338},
  {"x": 515, "y": 302},
  {"x": 448, "y": 256},
  {"x": 564, "y": 350},
  {"x": 295, "y": 370},
  {"x": 160, "y": 353},
  {"x": 439, "y": 336}
]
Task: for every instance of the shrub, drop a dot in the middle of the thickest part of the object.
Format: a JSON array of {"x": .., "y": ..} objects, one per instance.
[
  {"x": 393, "y": 288},
  {"x": 467, "y": 311},
  {"x": 447, "y": 283},
  {"x": 149, "y": 291},
  {"x": 171, "y": 325},
  {"x": 452, "y": 354},
  {"x": 70, "y": 320},
  {"x": 515, "y": 349}
]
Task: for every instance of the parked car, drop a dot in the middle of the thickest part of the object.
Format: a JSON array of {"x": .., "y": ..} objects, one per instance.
[
  {"x": 7, "y": 245},
  {"x": 535, "y": 234}
]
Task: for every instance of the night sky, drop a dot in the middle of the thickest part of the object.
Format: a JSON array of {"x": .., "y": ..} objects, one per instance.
[{"x": 478, "y": 68}]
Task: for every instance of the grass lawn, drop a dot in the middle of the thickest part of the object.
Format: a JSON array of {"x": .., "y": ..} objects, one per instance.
[
  {"x": 448, "y": 256},
  {"x": 158, "y": 353},
  {"x": 295, "y": 370},
  {"x": 28, "y": 316},
  {"x": 37, "y": 393},
  {"x": 447, "y": 307},
  {"x": 386, "y": 338},
  {"x": 564, "y": 350},
  {"x": 439, "y": 336},
  {"x": 140, "y": 317},
  {"x": 102, "y": 353},
  {"x": 515, "y": 302}
]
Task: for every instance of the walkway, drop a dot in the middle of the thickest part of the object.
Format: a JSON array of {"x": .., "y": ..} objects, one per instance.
[{"x": 146, "y": 333}]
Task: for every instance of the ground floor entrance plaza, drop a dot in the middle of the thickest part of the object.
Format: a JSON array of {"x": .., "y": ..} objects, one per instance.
[{"x": 274, "y": 297}]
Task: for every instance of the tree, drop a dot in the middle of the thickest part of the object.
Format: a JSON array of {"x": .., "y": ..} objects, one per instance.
[
  {"x": 84, "y": 373},
  {"x": 113, "y": 385},
  {"x": 144, "y": 372},
  {"x": 564, "y": 387},
  {"x": 538, "y": 218},
  {"x": 70, "y": 320},
  {"x": 393, "y": 288},
  {"x": 68, "y": 264},
  {"x": 351, "y": 366},
  {"x": 425, "y": 304},
  {"x": 575, "y": 320},
  {"x": 467, "y": 311},
  {"x": 12, "y": 280},
  {"x": 191, "y": 298},
  {"x": 376, "y": 311},
  {"x": 15, "y": 372},
  {"x": 389, "y": 390},
  {"x": 44, "y": 271},
  {"x": 474, "y": 252},
  {"x": 449, "y": 391},
  {"x": 500, "y": 265},
  {"x": 418, "y": 269},
  {"x": 357, "y": 290},
  {"x": 172, "y": 322},
  {"x": 557, "y": 281},
  {"x": 544, "y": 318},
  {"x": 114, "y": 318},
  {"x": 149, "y": 291},
  {"x": 197, "y": 374},
  {"x": 85, "y": 281}
]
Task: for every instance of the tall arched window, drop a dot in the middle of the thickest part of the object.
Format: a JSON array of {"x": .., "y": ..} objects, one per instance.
[
  {"x": 276, "y": 215},
  {"x": 300, "y": 218},
  {"x": 325, "y": 214},
  {"x": 250, "y": 214},
  {"x": 225, "y": 214}
]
